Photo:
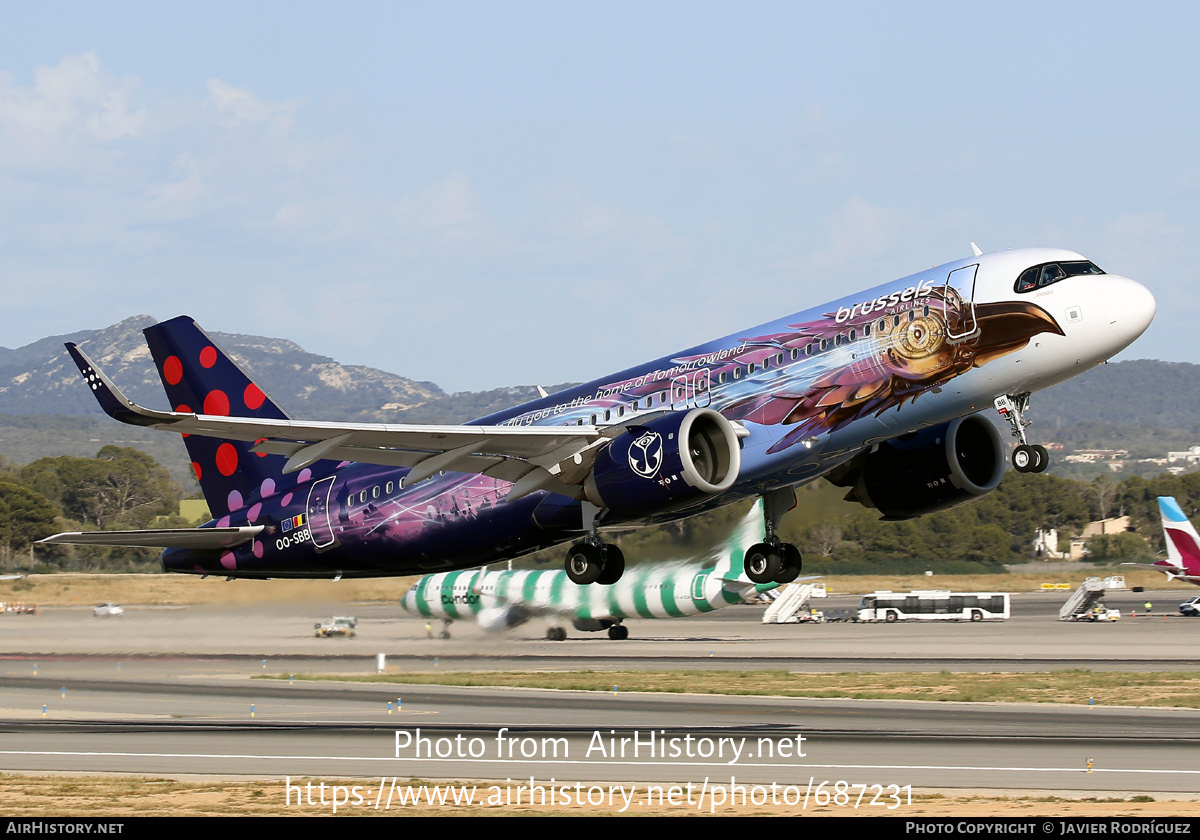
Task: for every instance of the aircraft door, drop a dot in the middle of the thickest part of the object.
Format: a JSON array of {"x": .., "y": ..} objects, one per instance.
[
  {"x": 701, "y": 388},
  {"x": 679, "y": 393},
  {"x": 695, "y": 392},
  {"x": 959, "y": 303},
  {"x": 320, "y": 517}
]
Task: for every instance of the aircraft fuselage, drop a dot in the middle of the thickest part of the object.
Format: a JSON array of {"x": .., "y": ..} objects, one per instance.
[{"x": 808, "y": 393}]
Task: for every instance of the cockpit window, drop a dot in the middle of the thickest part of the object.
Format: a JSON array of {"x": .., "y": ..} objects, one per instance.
[{"x": 1048, "y": 273}]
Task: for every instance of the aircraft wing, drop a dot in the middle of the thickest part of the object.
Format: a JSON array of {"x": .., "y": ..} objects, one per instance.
[
  {"x": 202, "y": 538},
  {"x": 554, "y": 458}
]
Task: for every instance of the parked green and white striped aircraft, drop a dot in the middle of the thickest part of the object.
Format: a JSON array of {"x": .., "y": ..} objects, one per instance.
[{"x": 506, "y": 599}]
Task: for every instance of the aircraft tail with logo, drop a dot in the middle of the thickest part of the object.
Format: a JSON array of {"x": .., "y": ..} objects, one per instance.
[
  {"x": 200, "y": 378},
  {"x": 1182, "y": 541}
]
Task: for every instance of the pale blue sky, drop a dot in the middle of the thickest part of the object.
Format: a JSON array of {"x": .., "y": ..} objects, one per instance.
[{"x": 485, "y": 194}]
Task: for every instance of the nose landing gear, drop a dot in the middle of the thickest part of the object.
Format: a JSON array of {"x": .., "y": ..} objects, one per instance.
[{"x": 1026, "y": 457}]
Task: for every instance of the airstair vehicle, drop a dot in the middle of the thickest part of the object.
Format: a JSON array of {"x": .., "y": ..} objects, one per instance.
[
  {"x": 1087, "y": 602},
  {"x": 791, "y": 602}
]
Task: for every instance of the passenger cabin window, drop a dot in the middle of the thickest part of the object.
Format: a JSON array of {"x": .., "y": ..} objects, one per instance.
[{"x": 1048, "y": 274}]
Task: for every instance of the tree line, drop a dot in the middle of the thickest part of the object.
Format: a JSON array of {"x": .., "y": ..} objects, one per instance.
[
  {"x": 121, "y": 488},
  {"x": 982, "y": 536}
]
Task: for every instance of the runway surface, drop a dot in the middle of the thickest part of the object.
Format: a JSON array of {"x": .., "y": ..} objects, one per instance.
[{"x": 170, "y": 691}]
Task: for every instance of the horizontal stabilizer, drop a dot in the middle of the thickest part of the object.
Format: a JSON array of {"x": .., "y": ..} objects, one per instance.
[{"x": 200, "y": 538}]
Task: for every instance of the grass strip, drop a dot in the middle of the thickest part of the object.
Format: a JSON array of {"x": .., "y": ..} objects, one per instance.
[{"x": 1179, "y": 689}]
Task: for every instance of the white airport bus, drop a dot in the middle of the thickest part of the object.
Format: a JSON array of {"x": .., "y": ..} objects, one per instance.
[{"x": 933, "y": 605}]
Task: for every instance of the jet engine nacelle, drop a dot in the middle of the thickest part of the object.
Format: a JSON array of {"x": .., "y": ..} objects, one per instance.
[
  {"x": 666, "y": 463},
  {"x": 499, "y": 619},
  {"x": 930, "y": 470}
]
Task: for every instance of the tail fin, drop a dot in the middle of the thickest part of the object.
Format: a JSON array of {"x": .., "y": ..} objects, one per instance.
[
  {"x": 1183, "y": 543},
  {"x": 199, "y": 377}
]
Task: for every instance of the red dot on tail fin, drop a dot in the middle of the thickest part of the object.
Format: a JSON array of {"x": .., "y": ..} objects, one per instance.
[
  {"x": 216, "y": 403},
  {"x": 254, "y": 396},
  {"x": 208, "y": 356},
  {"x": 227, "y": 459},
  {"x": 172, "y": 370}
]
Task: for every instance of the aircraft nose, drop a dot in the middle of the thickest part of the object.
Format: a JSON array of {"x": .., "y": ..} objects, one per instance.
[{"x": 1130, "y": 309}]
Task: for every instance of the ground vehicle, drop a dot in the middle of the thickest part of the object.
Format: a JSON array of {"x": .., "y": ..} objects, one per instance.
[
  {"x": 339, "y": 625},
  {"x": 1099, "y": 612},
  {"x": 1190, "y": 607},
  {"x": 934, "y": 604},
  {"x": 105, "y": 610}
]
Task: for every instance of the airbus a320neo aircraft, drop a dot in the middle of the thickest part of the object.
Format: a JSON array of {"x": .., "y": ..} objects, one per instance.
[{"x": 877, "y": 391}]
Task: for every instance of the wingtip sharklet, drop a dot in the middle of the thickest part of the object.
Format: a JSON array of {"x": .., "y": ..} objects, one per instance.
[{"x": 115, "y": 404}]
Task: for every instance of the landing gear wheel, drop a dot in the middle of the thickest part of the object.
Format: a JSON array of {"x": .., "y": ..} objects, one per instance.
[
  {"x": 556, "y": 634},
  {"x": 1043, "y": 458},
  {"x": 618, "y": 632},
  {"x": 614, "y": 565},
  {"x": 585, "y": 563},
  {"x": 763, "y": 564},
  {"x": 792, "y": 563},
  {"x": 1025, "y": 458}
]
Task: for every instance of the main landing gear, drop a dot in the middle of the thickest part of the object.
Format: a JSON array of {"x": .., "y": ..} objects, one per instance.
[
  {"x": 773, "y": 560},
  {"x": 592, "y": 560},
  {"x": 1026, "y": 457}
]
